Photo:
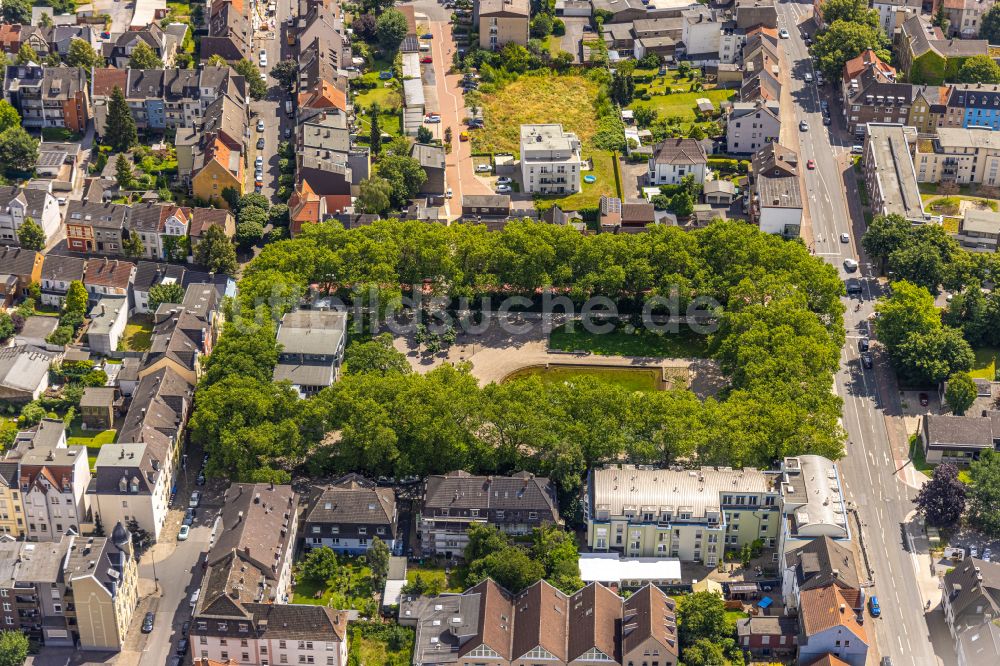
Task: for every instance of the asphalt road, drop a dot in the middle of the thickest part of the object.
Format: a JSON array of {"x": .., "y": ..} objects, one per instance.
[{"x": 872, "y": 472}]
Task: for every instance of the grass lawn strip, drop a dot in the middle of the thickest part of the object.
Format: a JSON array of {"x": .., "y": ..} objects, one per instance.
[
  {"x": 630, "y": 379},
  {"x": 985, "y": 366},
  {"x": 138, "y": 334},
  {"x": 447, "y": 581},
  {"x": 92, "y": 439},
  {"x": 684, "y": 344}
]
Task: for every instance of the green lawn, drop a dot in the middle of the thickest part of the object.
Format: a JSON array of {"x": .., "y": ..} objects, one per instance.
[
  {"x": 986, "y": 363},
  {"x": 682, "y": 105},
  {"x": 590, "y": 193},
  {"x": 630, "y": 379},
  {"x": 373, "y": 643},
  {"x": 138, "y": 334},
  {"x": 349, "y": 588},
  {"x": 445, "y": 582},
  {"x": 92, "y": 439},
  {"x": 387, "y": 98},
  {"x": 683, "y": 344},
  {"x": 921, "y": 465}
]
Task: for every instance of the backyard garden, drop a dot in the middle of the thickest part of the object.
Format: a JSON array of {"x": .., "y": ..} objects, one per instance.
[{"x": 673, "y": 94}]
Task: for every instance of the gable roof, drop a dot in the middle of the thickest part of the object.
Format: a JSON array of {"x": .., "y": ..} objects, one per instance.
[
  {"x": 459, "y": 489},
  {"x": 109, "y": 273},
  {"x": 594, "y": 613},
  {"x": 17, "y": 260},
  {"x": 496, "y": 619},
  {"x": 823, "y": 562},
  {"x": 649, "y": 614},
  {"x": 679, "y": 151},
  {"x": 825, "y": 608},
  {"x": 349, "y": 500}
]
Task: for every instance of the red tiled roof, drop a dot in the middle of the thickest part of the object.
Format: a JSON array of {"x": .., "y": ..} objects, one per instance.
[{"x": 106, "y": 78}]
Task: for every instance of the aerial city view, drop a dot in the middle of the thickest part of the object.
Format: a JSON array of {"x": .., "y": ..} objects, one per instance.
[{"x": 500, "y": 333}]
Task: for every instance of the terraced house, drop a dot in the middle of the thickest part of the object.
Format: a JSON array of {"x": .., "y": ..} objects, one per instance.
[
  {"x": 693, "y": 515},
  {"x": 49, "y": 96}
]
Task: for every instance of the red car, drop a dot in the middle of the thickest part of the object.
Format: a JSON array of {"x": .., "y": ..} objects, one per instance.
[
  {"x": 426, "y": 60},
  {"x": 811, "y": 164}
]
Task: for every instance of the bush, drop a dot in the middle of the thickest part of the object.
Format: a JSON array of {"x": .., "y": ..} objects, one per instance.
[{"x": 558, "y": 27}]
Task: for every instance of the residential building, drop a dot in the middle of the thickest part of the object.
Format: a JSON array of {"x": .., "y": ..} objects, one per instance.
[
  {"x": 431, "y": 160},
  {"x": 550, "y": 160},
  {"x": 872, "y": 95},
  {"x": 148, "y": 274},
  {"x": 212, "y": 155},
  {"x": 108, "y": 277},
  {"x": 959, "y": 439},
  {"x": 766, "y": 636},
  {"x": 673, "y": 159},
  {"x": 965, "y": 17},
  {"x": 348, "y": 514},
  {"x": 49, "y": 96},
  {"x": 890, "y": 178},
  {"x": 107, "y": 324},
  {"x": 927, "y": 57},
  {"x": 978, "y": 646},
  {"x": 812, "y": 502},
  {"x": 701, "y": 34},
  {"x": 97, "y": 407},
  {"x": 775, "y": 192},
  {"x": 970, "y": 595},
  {"x": 24, "y": 373},
  {"x": 892, "y": 13},
  {"x": 503, "y": 22},
  {"x": 17, "y": 205},
  {"x": 929, "y": 108},
  {"x": 11, "y": 509},
  {"x": 750, "y": 125},
  {"x": 163, "y": 43},
  {"x": 979, "y": 230},
  {"x": 184, "y": 333},
  {"x": 60, "y": 166},
  {"x": 693, "y": 515},
  {"x": 20, "y": 269},
  {"x": 203, "y": 219},
  {"x": 57, "y": 274},
  {"x": 161, "y": 228},
  {"x": 818, "y": 564},
  {"x": 241, "y": 610},
  {"x": 230, "y": 31},
  {"x": 92, "y": 226},
  {"x": 53, "y": 478},
  {"x": 828, "y": 627},
  {"x": 452, "y": 502},
  {"x": 963, "y": 156},
  {"x": 312, "y": 349},
  {"x": 477, "y": 207},
  {"x": 750, "y": 13},
  {"x": 541, "y": 623},
  {"x": 972, "y": 105}
]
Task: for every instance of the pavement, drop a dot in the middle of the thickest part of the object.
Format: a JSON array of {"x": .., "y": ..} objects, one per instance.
[
  {"x": 570, "y": 41},
  {"x": 878, "y": 480}
]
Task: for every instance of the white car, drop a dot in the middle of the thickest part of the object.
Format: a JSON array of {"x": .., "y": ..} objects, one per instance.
[
  {"x": 448, "y": 194},
  {"x": 808, "y": 77},
  {"x": 61, "y": 201},
  {"x": 182, "y": 535},
  {"x": 503, "y": 189},
  {"x": 845, "y": 238},
  {"x": 260, "y": 125},
  {"x": 259, "y": 162},
  {"x": 432, "y": 118},
  {"x": 263, "y": 58},
  {"x": 483, "y": 168},
  {"x": 783, "y": 34},
  {"x": 195, "y": 500},
  {"x": 504, "y": 180}
]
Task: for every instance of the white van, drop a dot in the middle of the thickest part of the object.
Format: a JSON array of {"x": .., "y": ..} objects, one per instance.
[
  {"x": 194, "y": 597},
  {"x": 424, "y": 47},
  {"x": 809, "y": 77}
]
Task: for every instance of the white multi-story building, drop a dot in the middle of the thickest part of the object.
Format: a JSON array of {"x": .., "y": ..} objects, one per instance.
[
  {"x": 890, "y": 11},
  {"x": 673, "y": 159},
  {"x": 17, "y": 205},
  {"x": 752, "y": 125},
  {"x": 550, "y": 160},
  {"x": 53, "y": 480}
]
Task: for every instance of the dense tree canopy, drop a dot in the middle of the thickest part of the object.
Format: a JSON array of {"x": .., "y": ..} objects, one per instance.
[
  {"x": 18, "y": 150},
  {"x": 143, "y": 57},
  {"x": 31, "y": 235},
  {"x": 942, "y": 500},
  {"x": 984, "y": 493},
  {"x": 960, "y": 393},
  {"x": 979, "y": 69},
  {"x": 390, "y": 28},
  {"x": 552, "y": 555},
  {"x": 845, "y": 39},
  {"x": 9, "y": 117},
  {"x": 989, "y": 27},
  {"x": 13, "y": 643},
  {"x": 216, "y": 252}
]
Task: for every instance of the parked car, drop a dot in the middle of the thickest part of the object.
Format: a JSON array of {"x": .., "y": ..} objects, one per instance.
[
  {"x": 504, "y": 180},
  {"x": 182, "y": 646},
  {"x": 426, "y": 60},
  {"x": 259, "y": 162},
  {"x": 185, "y": 628},
  {"x": 427, "y": 36},
  {"x": 853, "y": 286},
  {"x": 857, "y": 150},
  {"x": 194, "y": 597},
  {"x": 432, "y": 118},
  {"x": 483, "y": 168},
  {"x": 201, "y": 478},
  {"x": 783, "y": 34},
  {"x": 863, "y": 344},
  {"x": 260, "y": 143},
  {"x": 448, "y": 194},
  {"x": 189, "y": 516},
  {"x": 811, "y": 164},
  {"x": 463, "y": 136},
  {"x": 503, "y": 189},
  {"x": 808, "y": 77},
  {"x": 263, "y": 58},
  {"x": 195, "y": 500},
  {"x": 147, "y": 622},
  {"x": 803, "y": 126},
  {"x": 183, "y": 533},
  {"x": 385, "y": 75},
  {"x": 873, "y": 606},
  {"x": 61, "y": 201},
  {"x": 288, "y": 132},
  {"x": 866, "y": 360},
  {"x": 476, "y": 124},
  {"x": 260, "y": 125},
  {"x": 827, "y": 120}
]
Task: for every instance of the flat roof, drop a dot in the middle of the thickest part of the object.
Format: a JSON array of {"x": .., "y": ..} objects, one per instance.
[
  {"x": 609, "y": 568},
  {"x": 893, "y": 170}
]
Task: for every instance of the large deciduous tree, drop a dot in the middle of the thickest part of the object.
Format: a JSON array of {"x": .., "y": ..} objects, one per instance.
[
  {"x": 16, "y": 11},
  {"x": 942, "y": 499},
  {"x": 984, "y": 493},
  {"x": 376, "y": 356},
  {"x": 989, "y": 27},
  {"x": 255, "y": 80},
  {"x": 216, "y": 252},
  {"x": 979, "y": 69},
  {"x": 9, "y": 117},
  {"x": 405, "y": 176},
  {"x": 13, "y": 643},
  {"x": 143, "y": 57},
  {"x": 844, "y": 40},
  {"x": 18, "y": 150},
  {"x": 390, "y": 28},
  {"x": 374, "y": 196},
  {"x": 31, "y": 235},
  {"x": 82, "y": 54},
  {"x": 960, "y": 393}
]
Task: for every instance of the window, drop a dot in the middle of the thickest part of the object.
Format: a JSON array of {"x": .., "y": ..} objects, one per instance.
[
  {"x": 246, "y": 656},
  {"x": 224, "y": 655}
]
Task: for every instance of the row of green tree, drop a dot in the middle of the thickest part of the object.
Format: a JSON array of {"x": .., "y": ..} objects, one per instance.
[{"x": 778, "y": 343}]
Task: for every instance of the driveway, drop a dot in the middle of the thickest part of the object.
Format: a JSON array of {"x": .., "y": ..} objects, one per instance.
[
  {"x": 434, "y": 11},
  {"x": 459, "y": 170},
  {"x": 574, "y": 33}
]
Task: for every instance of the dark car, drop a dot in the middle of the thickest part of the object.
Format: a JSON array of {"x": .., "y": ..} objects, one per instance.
[
  {"x": 147, "y": 622},
  {"x": 923, "y": 399},
  {"x": 182, "y": 646},
  {"x": 886, "y": 661},
  {"x": 201, "y": 478},
  {"x": 863, "y": 344},
  {"x": 260, "y": 143},
  {"x": 853, "y": 285},
  {"x": 427, "y": 36},
  {"x": 189, "y": 517},
  {"x": 185, "y": 628},
  {"x": 873, "y": 606},
  {"x": 866, "y": 360}
]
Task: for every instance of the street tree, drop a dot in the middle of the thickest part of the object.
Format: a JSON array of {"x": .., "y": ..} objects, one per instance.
[
  {"x": 929, "y": 358},
  {"x": 248, "y": 233},
  {"x": 960, "y": 393},
  {"x": 286, "y": 73},
  {"x": 119, "y": 128},
  {"x": 143, "y": 57},
  {"x": 255, "y": 80},
  {"x": 9, "y": 117},
  {"x": 852, "y": 11},
  {"x": 216, "y": 252},
  {"x": 31, "y": 235},
  {"x": 18, "y": 150},
  {"x": 845, "y": 40},
  {"x": 390, "y": 29},
  {"x": 13, "y": 643},
  {"x": 885, "y": 234},
  {"x": 909, "y": 310},
  {"x": 984, "y": 493},
  {"x": 941, "y": 501}
]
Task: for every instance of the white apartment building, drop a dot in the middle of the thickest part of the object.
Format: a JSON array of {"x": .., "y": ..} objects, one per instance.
[
  {"x": 131, "y": 483},
  {"x": 550, "y": 160},
  {"x": 752, "y": 125},
  {"x": 961, "y": 155},
  {"x": 692, "y": 515}
]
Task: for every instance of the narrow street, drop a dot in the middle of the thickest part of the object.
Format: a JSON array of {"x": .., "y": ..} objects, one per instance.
[{"x": 875, "y": 471}]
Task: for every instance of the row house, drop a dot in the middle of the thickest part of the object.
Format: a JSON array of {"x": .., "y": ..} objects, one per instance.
[
  {"x": 230, "y": 30},
  {"x": 324, "y": 48},
  {"x": 212, "y": 155},
  {"x": 45, "y": 40},
  {"x": 52, "y": 479},
  {"x": 108, "y": 277},
  {"x": 75, "y": 592},
  {"x": 184, "y": 333},
  {"x": 49, "y": 96},
  {"x": 17, "y": 205},
  {"x": 11, "y": 507},
  {"x": 929, "y": 108},
  {"x": 452, "y": 502},
  {"x": 751, "y": 125},
  {"x": 694, "y": 515},
  {"x": 163, "y": 42},
  {"x": 775, "y": 192},
  {"x": 161, "y": 99},
  {"x": 95, "y": 227},
  {"x": 488, "y": 624},
  {"x": 965, "y": 17},
  {"x": 970, "y": 598},
  {"x": 972, "y": 105},
  {"x": 241, "y": 610},
  {"x": 21, "y": 269},
  {"x": 160, "y": 227},
  {"x": 870, "y": 93},
  {"x": 348, "y": 514},
  {"x": 964, "y": 156},
  {"x": 14, "y": 35}
]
